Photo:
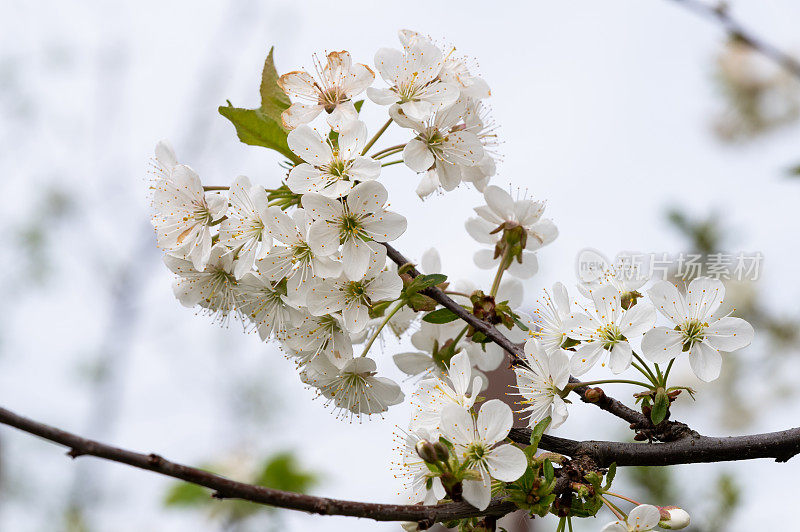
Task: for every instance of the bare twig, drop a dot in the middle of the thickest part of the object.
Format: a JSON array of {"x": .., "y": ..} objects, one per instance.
[
  {"x": 721, "y": 14},
  {"x": 224, "y": 488}
]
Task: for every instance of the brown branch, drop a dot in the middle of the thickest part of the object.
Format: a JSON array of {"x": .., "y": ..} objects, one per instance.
[
  {"x": 491, "y": 332},
  {"x": 720, "y": 14},
  {"x": 781, "y": 446},
  {"x": 224, "y": 488}
]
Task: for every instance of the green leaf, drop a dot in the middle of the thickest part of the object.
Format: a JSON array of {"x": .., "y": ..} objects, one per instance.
[
  {"x": 547, "y": 469},
  {"x": 612, "y": 471},
  {"x": 538, "y": 431},
  {"x": 282, "y": 472},
  {"x": 263, "y": 126},
  {"x": 185, "y": 494},
  {"x": 443, "y": 315},
  {"x": 358, "y": 105},
  {"x": 660, "y": 406},
  {"x": 421, "y": 282}
]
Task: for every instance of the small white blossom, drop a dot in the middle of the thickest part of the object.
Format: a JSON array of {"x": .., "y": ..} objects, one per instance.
[
  {"x": 332, "y": 91},
  {"x": 330, "y": 169},
  {"x": 673, "y": 518},
  {"x": 264, "y": 303},
  {"x": 430, "y": 339},
  {"x": 354, "y": 298},
  {"x": 320, "y": 335},
  {"x": 292, "y": 258},
  {"x": 696, "y": 329},
  {"x": 354, "y": 388},
  {"x": 357, "y": 224},
  {"x": 642, "y": 518},
  {"x": 442, "y": 148},
  {"x": 540, "y": 382},
  {"x": 413, "y": 81},
  {"x": 551, "y": 314},
  {"x": 606, "y": 329},
  {"x": 458, "y": 387},
  {"x": 475, "y": 443},
  {"x": 245, "y": 228},
  {"x": 414, "y": 473},
  {"x": 214, "y": 288},
  {"x": 184, "y": 214}
]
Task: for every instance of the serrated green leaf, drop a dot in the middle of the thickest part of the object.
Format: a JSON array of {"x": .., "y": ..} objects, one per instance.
[
  {"x": 443, "y": 315},
  {"x": 538, "y": 431},
  {"x": 421, "y": 282},
  {"x": 255, "y": 128},
  {"x": 263, "y": 126},
  {"x": 660, "y": 407},
  {"x": 547, "y": 469}
]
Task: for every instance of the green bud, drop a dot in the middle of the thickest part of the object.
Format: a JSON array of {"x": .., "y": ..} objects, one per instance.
[
  {"x": 442, "y": 453},
  {"x": 426, "y": 451}
]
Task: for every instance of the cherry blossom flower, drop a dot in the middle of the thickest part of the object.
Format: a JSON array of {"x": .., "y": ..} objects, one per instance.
[
  {"x": 478, "y": 122},
  {"x": 357, "y": 223},
  {"x": 264, "y": 303},
  {"x": 454, "y": 69},
  {"x": 413, "y": 472},
  {"x": 245, "y": 228},
  {"x": 320, "y": 335},
  {"x": 673, "y": 518},
  {"x": 697, "y": 330},
  {"x": 642, "y": 518},
  {"x": 551, "y": 314},
  {"x": 502, "y": 212},
  {"x": 413, "y": 81},
  {"x": 475, "y": 443},
  {"x": 184, "y": 214},
  {"x": 333, "y": 90},
  {"x": 165, "y": 160},
  {"x": 292, "y": 258},
  {"x": 430, "y": 340},
  {"x": 354, "y": 298},
  {"x": 330, "y": 169},
  {"x": 457, "y": 387},
  {"x": 441, "y": 149},
  {"x": 625, "y": 275},
  {"x": 214, "y": 288},
  {"x": 540, "y": 381},
  {"x": 605, "y": 330},
  {"x": 354, "y": 388}
]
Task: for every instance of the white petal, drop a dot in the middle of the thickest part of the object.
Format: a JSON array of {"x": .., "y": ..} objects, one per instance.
[
  {"x": 729, "y": 334},
  {"x": 366, "y": 198},
  {"x": 704, "y": 296},
  {"x": 620, "y": 358},
  {"x": 644, "y": 517},
  {"x": 662, "y": 344},
  {"x": 506, "y": 463},
  {"x": 431, "y": 262},
  {"x": 668, "y": 301},
  {"x": 585, "y": 358},
  {"x": 309, "y": 146},
  {"x": 413, "y": 363},
  {"x": 500, "y": 202},
  {"x": 494, "y": 421},
  {"x": 417, "y": 156},
  {"x": 457, "y": 425},
  {"x": 637, "y": 320},
  {"x": 527, "y": 268},
  {"x": 706, "y": 361},
  {"x": 480, "y": 230},
  {"x": 478, "y": 492}
]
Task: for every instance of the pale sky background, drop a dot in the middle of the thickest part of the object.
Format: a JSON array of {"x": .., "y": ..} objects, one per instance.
[{"x": 604, "y": 108}]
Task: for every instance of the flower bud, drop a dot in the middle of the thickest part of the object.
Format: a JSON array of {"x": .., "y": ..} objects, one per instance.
[
  {"x": 442, "y": 454},
  {"x": 673, "y": 518},
  {"x": 593, "y": 395},
  {"x": 426, "y": 451}
]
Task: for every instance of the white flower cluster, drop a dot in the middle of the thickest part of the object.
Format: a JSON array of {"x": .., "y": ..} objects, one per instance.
[
  {"x": 311, "y": 272},
  {"x": 306, "y": 264}
]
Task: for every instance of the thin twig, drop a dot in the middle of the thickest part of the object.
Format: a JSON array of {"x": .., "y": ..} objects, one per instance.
[{"x": 720, "y": 13}]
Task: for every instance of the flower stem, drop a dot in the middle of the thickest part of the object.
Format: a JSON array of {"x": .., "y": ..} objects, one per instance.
[
  {"x": 616, "y": 511},
  {"x": 666, "y": 373},
  {"x": 388, "y": 151},
  {"x": 502, "y": 267},
  {"x": 623, "y": 497},
  {"x": 211, "y": 188},
  {"x": 646, "y": 370},
  {"x": 383, "y": 323},
  {"x": 570, "y": 387},
  {"x": 376, "y": 137},
  {"x": 392, "y": 162}
]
